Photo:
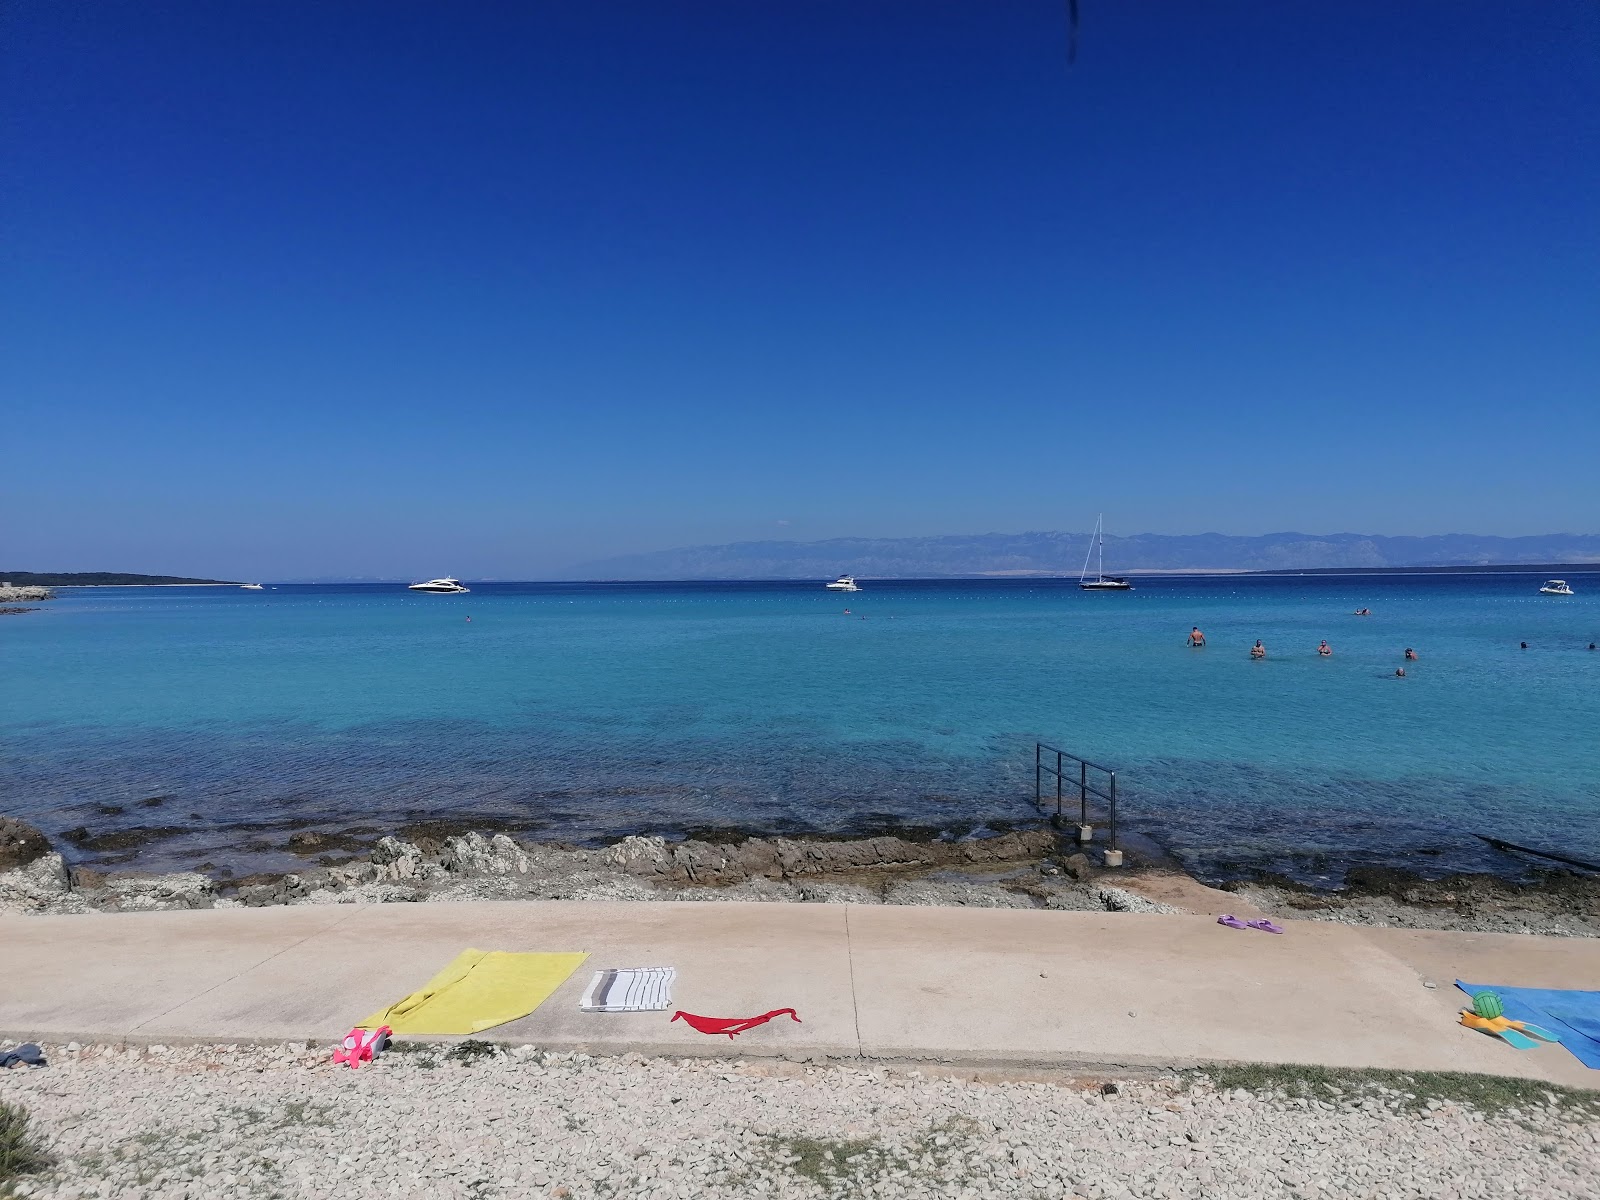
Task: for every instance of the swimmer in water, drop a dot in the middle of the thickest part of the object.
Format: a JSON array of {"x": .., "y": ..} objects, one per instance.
[
  {"x": 1258, "y": 650},
  {"x": 1399, "y": 672},
  {"x": 1411, "y": 655},
  {"x": 1591, "y": 645},
  {"x": 1524, "y": 645},
  {"x": 1196, "y": 638},
  {"x": 1324, "y": 649},
  {"x": 1362, "y": 612}
]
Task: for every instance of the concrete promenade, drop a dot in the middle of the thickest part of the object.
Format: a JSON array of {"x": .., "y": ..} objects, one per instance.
[{"x": 963, "y": 985}]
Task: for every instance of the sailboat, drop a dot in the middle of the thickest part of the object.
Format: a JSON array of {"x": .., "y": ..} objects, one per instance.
[{"x": 1101, "y": 581}]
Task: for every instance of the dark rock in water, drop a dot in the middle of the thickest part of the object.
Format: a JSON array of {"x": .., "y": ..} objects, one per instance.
[
  {"x": 153, "y": 802},
  {"x": 1078, "y": 866},
  {"x": 109, "y": 810},
  {"x": 77, "y": 834},
  {"x": 20, "y": 843},
  {"x": 122, "y": 839},
  {"x": 308, "y": 842}
]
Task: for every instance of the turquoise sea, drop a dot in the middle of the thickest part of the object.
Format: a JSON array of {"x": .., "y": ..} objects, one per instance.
[{"x": 585, "y": 711}]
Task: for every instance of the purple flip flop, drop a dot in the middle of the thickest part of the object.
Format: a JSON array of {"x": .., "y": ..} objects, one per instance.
[
  {"x": 1231, "y": 921},
  {"x": 1266, "y": 925}
]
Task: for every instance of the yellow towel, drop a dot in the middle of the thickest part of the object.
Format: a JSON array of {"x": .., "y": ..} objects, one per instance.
[{"x": 479, "y": 990}]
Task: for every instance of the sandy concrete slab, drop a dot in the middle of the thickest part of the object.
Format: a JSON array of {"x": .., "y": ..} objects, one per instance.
[
  {"x": 965, "y": 985},
  {"x": 105, "y": 975},
  {"x": 1029, "y": 986},
  {"x": 732, "y": 960},
  {"x": 1507, "y": 959}
]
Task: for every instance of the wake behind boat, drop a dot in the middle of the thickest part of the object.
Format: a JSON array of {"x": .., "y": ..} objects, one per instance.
[
  {"x": 1101, "y": 581},
  {"x": 445, "y": 586}
]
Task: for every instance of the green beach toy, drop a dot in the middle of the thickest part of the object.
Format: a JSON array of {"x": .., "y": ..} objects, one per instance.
[{"x": 1487, "y": 1004}]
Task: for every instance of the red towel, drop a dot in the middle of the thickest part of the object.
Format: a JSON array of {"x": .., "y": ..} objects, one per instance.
[{"x": 731, "y": 1025}]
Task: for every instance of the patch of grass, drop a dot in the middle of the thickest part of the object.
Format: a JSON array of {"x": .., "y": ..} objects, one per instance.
[
  {"x": 20, "y": 1151},
  {"x": 848, "y": 1166},
  {"x": 1488, "y": 1094},
  {"x": 824, "y": 1161},
  {"x": 470, "y": 1051}
]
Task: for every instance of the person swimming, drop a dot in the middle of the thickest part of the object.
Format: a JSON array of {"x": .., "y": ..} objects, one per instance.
[
  {"x": 1591, "y": 645},
  {"x": 1524, "y": 645},
  {"x": 1324, "y": 649},
  {"x": 1399, "y": 672},
  {"x": 1258, "y": 650},
  {"x": 1196, "y": 638},
  {"x": 1362, "y": 612},
  {"x": 1411, "y": 655}
]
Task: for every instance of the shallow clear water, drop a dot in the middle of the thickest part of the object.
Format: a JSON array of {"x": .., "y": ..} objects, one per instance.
[{"x": 586, "y": 711}]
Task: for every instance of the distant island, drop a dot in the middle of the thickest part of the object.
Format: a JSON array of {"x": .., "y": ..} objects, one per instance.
[
  {"x": 94, "y": 579},
  {"x": 1048, "y": 553}
]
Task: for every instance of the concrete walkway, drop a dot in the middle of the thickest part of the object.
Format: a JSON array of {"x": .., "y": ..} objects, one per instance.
[{"x": 963, "y": 985}]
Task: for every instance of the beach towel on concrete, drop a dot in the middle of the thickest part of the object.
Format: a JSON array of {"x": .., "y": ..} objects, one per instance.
[
  {"x": 630, "y": 989},
  {"x": 1572, "y": 1016},
  {"x": 479, "y": 990}
]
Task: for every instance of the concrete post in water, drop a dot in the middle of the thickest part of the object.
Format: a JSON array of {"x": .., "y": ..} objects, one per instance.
[
  {"x": 1113, "y": 858},
  {"x": 1085, "y": 834}
]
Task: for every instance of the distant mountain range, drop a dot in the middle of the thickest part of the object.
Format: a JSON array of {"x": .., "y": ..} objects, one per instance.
[{"x": 1062, "y": 554}]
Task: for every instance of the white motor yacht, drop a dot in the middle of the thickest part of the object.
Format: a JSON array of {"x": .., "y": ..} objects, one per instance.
[
  {"x": 252, "y": 587},
  {"x": 1556, "y": 587},
  {"x": 845, "y": 583},
  {"x": 447, "y": 585}
]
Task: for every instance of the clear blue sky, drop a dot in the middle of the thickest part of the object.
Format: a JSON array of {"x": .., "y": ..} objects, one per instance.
[{"x": 394, "y": 288}]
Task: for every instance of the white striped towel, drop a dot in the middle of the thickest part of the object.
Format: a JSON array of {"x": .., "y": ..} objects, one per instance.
[{"x": 630, "y": 989}]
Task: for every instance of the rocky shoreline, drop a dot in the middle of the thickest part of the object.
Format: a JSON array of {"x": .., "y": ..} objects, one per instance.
[{"x": 1017, "y": 869}]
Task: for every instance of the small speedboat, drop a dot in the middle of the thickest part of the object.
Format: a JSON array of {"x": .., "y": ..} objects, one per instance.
[
  {"x": 1556, "y": 587},
  {"x": 845, "y": 583},
  {"x": 252, "y": 587},
  {"x": 445, "y": 586}
]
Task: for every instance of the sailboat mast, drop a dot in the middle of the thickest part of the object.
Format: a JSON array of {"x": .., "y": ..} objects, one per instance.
[{"x": 1100, "y": 533}]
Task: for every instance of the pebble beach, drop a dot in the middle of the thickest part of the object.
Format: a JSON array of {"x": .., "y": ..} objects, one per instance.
[{"x": 238, "y": 1122}]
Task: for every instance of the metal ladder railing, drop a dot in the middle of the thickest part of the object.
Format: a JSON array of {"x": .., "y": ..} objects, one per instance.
[{"x": 1085, "y": 789}]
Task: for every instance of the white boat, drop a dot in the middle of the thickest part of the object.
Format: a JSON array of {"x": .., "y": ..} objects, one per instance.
[
  {"x": 1097, "y": 550},
  {"x": 252, "y": 587},
  {"x": 845, "y": 583},
  {"x": 1556, "y": 587},
  {"x": 447, "y": 585}
]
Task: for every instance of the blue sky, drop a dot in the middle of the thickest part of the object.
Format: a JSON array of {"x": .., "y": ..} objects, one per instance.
[{"x": 400, "y": 288}]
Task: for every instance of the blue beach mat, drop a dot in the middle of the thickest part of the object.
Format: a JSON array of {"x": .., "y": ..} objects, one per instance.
[{"x": 1572, "y": 1016}]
